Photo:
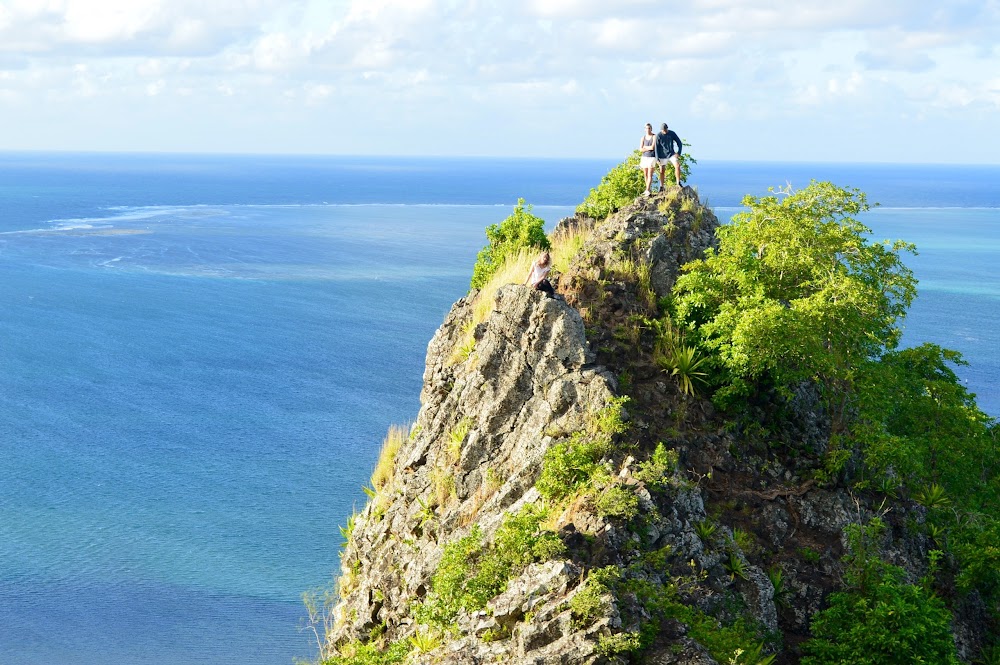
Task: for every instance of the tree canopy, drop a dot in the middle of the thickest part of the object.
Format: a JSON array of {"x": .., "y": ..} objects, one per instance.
[{"x": 795, "y": 290}]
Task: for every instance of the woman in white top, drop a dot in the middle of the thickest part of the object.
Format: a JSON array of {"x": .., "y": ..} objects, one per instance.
[
  {"x": 538, "y": 277},
  {"x": 647, "y": 162}
]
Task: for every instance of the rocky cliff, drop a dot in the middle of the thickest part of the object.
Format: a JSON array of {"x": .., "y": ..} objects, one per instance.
[{"x": 562, "y": 499}]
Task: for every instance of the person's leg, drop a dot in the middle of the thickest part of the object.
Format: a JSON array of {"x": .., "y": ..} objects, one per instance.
[
  {"x": 649, "y": 178},
  {"x": 677, "y": 170},
  {"x": 546, "y": 287}
]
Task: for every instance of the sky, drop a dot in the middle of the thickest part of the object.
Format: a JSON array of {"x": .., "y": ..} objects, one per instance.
[{"x": 830, "y": 80}]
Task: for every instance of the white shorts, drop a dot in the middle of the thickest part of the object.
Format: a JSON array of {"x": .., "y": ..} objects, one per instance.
[
  {"x": 647, "y": 162},
  {"x": 672, "y": 159}
]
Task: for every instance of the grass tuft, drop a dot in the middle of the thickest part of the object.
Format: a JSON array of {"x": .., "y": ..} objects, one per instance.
[{"x": 387, "y": 458}]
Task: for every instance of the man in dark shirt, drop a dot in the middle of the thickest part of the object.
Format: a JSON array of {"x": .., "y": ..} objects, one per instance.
[{"x": 667, "y": 153}]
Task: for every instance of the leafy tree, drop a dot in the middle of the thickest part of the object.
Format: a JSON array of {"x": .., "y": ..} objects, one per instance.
[
  {"x": 521, "y": 230},
  {"x": 796, "y": 292},
  {"x": 879, "y": 619},
  {"x": 623, "y": 184},
  {"x": 919, "y": 427},
  {"x": 917, "y": 419}
]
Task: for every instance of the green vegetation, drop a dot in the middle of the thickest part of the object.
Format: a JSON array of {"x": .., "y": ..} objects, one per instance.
[
  {"x": 918, "y": 424},
  {"x": 456, "y": 437},
  {"x": 520, "y": 231},
  {"x": 622, "y": 184},
  {"x": 567, "y": 244},
  {"x": 879, "y": 619},
  {"x": 592, "y": 599},
  {"x": 796, "y": 292},
  {"x": 471, "y": 571},
  {"x": 575, "y": 463},
  {"x": 657, "y": 471},
  {"x": 357, "y": 653},
  {"x": 619, "y": 187}
]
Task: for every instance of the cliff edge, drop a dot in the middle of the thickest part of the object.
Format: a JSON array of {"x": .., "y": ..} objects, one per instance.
[{"x": 561, "y": 498}]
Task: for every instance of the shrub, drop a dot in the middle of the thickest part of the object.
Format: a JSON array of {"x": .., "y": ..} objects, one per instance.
[
  {"x": 619, "y": 187},
  {"x": 619, "y": 502},
  {"x": 568, "y": 465},
  {"x": 659, "y": 468},
  {"x": 880, "y": 619},
  {"x": 520, "y": 231},
  {"x": 622, "y": 184},
  {"x": 356, "y": 653},
  {"x": 472, "y": 572},
  {"x": 591, "y": 602}
]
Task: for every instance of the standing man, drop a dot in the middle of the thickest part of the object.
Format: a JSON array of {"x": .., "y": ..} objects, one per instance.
[{"x": 666, "y": 153}]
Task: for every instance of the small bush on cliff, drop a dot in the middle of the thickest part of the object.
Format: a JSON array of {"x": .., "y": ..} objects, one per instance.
[
  {"x": 619, "y": 187},
  {"x": 623, "y": 184},
  {"x": 521, "y": 230},
  {"x": 472, "y": 572},
  {"x": 357, "y": 653},
  {"x": 575, "y": 463},
  {"x": 880, "y": 619}
]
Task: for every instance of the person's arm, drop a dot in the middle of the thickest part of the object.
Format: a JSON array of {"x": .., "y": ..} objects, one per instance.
[
  {"x": 530, "y": 273},
  {"x": 680, "y": 146}
]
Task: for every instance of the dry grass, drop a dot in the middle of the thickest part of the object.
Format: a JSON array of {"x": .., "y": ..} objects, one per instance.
[
  {"x": 514, "y": 270},
  {"x": 442, "y": 486},
  {"x": 387, "y": 458},
  {"x": 568, "y": 244},
  {"x": 456, "y": 437}
]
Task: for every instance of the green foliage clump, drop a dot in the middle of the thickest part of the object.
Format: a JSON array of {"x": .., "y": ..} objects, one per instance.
[
  {"x": 879, "y": 619},
  {"x": 919, "y": 425},
  {"x": 619, "y": 187},
  {"x": 609, "y": 645},
  {"x": 623, "y": 184},
  {"x": 590, "y": 603},
  {"x": 796, "y": 292},
  {"x": 521, "y": 230},
  {"x": 659, "y": 468},
  {"x": 358, "y": 653},
  {"x": 472, "y": 572},
  {"x": 619, "y": 502},
  {"x": 575, "y": 463},
  {"x": 735, "y": 642},
  {"x": 569, "y": 465}
]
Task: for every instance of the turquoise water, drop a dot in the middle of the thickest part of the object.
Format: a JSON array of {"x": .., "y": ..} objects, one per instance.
[{"x": 199, "y": 357}]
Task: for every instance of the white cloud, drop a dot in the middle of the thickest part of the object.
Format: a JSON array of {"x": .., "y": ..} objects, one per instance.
[{"x": 711, "y": 60}]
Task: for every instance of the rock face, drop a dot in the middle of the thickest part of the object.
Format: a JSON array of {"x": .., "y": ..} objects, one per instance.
[
  {"x": 704, "y": 537},
  {"x": 475, "y": 452}
]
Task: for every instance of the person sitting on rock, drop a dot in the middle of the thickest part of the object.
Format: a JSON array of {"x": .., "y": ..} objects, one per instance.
[{"x": 538, "y": 278}]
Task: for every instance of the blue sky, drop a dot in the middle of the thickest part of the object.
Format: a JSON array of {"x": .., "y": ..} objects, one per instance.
[{"x": 845, "y": 80}]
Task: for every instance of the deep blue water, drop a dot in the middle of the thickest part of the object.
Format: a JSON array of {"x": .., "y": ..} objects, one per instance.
[{"x": 200, "y": 355}]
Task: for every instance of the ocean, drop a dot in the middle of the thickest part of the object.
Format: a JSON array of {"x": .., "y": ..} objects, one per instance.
[{"x": 200, "y": 356}]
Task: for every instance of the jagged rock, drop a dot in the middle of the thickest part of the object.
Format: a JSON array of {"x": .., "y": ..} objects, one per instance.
[{"x": 529, "y": 377}]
